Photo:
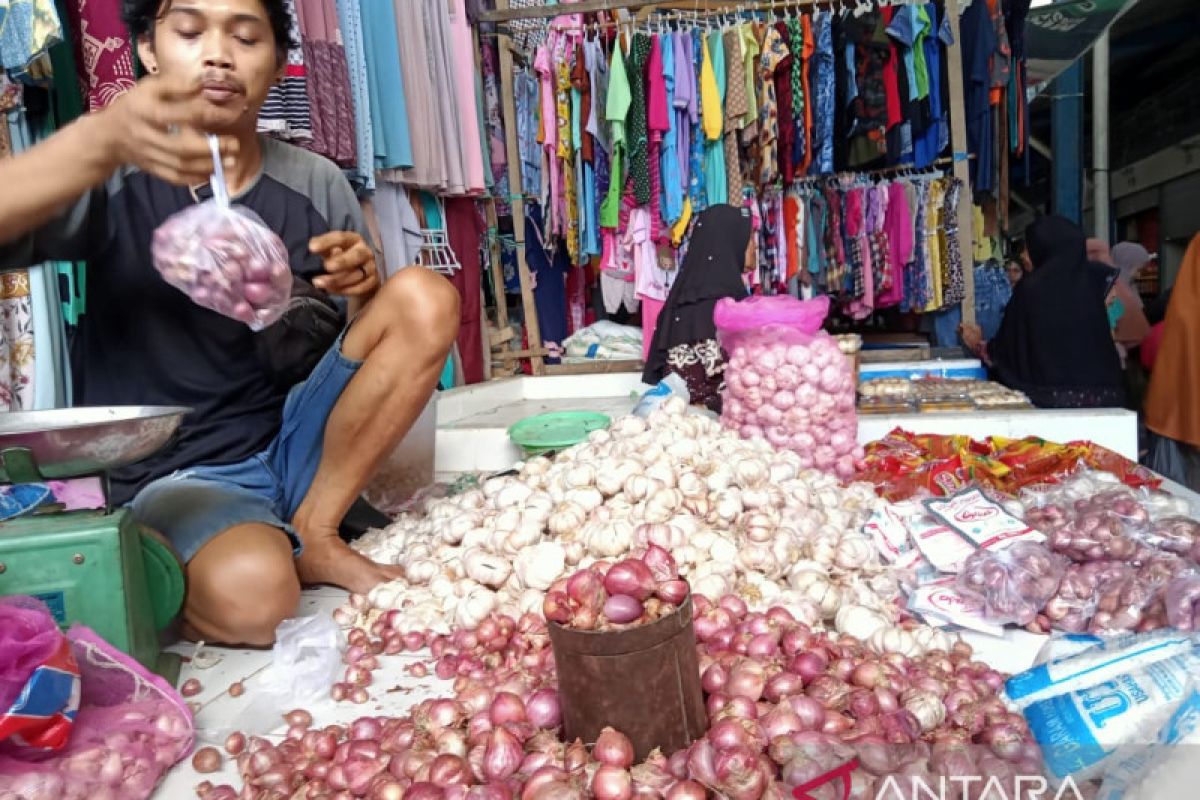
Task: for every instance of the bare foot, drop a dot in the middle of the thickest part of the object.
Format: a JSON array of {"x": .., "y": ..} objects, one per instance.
[{"x": 327, "y": 559}]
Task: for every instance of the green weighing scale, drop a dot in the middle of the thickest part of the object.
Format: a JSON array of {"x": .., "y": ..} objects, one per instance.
[{"x": 91, "y": 564}]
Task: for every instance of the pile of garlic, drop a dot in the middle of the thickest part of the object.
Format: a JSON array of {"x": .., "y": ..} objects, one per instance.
[{"x": 738, "y": 516}]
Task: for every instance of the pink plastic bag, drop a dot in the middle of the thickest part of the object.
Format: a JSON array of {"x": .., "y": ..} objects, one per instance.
[
  {"x": 225, "y": 258},
  {"x": 131, "y": 728},
  {"x": 792, "y": 321}
]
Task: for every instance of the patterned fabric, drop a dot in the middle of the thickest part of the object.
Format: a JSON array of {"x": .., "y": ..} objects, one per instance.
[
  {"x": 774, "y": 51},
  {"x": 562, "y": 99},
  {"x": 495, "y": 127},
  {"x": 872, "y": 53},
  {"x": 350, "y": 22},
  {"x": 799, "y": 81},
  {"x": 736, "y": 106},
  {"x": 639, "y": 164},
  {"x": 329, "y": 99},
  {"x": 27, "y": 29},
  {"x": 702, "y": 367},
  {"x": 102, "y": 51},
  {"x": 697, "y": 189},
  {"x": 952, "y": 265},
  {"x": 16, "y": 342},
  {"x": 286, "y": 112},
  {"x": 525, "y": 93},
  {"x": 823, "y": 82}
]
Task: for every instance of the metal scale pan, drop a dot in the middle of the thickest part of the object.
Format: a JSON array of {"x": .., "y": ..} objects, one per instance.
[
  {"x": 95, "y": 567},
  {"x": 70, "y": 442}
]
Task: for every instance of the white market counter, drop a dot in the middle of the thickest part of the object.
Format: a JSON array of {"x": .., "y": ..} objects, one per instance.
[{"x": 473, "y": 421}]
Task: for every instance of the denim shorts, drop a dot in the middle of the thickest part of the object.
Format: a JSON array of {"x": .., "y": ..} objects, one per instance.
[{"x": 191, "y": 507}]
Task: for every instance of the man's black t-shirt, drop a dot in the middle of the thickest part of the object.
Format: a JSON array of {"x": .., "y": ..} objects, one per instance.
[{"x": 143, "y": 342}]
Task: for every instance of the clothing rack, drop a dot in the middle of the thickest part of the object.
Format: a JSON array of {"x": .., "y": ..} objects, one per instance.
[{"x": 687, "y": 8}]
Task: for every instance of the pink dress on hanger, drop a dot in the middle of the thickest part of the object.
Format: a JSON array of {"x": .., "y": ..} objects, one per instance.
[{"x": 464, "y": 87}]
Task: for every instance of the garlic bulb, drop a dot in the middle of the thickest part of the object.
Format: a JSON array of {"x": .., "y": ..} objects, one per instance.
[
  {"x": 926, "y": 706},
  {"x": 854, "y": 551},
  {"x": 859, "y": 621},
  {"x": 540, "y": 565},
  {"x": 474, "y": 607},
  {"x": 610, "y": 539},
  {"x": 580, "y": 476},
  {"x": 420, "y": 570},
  {"x": 894, "y": 640},
  {"x": 566, "y": 519},
  {"x": 751, "y": 473},
  {"x": 930, "y": 639},
  {"x": 485, "y": 568}
]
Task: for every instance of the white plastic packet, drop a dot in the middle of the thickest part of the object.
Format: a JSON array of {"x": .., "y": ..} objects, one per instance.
[
  {"x": 671, "y": 386},
  {"x": 1080, "y": 732},
  {"x": 1099, "y": 660},
  {"x": 1166, "y": 770},
  {"x": 305, "y": 661}
]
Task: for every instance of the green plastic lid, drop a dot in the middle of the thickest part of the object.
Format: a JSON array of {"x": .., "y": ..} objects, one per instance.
[
  {"x": 164, "y": 577},
  {"x": 556, "y": 430}
]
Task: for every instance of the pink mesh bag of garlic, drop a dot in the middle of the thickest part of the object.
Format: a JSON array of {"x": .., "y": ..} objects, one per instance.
[
  {"x": 130, "y": 729},
  {"x": 788, "y": 381},
  {"x": 225, "y": 258}
]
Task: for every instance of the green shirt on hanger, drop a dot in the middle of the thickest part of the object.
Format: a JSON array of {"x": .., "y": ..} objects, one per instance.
[{"x": 616, "y": 108}]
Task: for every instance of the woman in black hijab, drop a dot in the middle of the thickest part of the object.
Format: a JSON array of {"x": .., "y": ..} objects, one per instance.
[
  {"x": 720, "y": 249},
  {"x": 1054, "y": 343}
]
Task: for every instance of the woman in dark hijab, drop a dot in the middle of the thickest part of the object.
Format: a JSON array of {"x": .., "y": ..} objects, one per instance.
[
  {"x": 1054, "y": 343},
  {"x": 720, "y": 249}
]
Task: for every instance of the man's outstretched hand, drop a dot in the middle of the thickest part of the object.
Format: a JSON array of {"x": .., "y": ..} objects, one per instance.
[{"x": 157, "y": 126}]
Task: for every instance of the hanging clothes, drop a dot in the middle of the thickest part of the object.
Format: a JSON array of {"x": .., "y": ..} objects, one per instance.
[
  {"x": 464, "y": 232},
  {"x": 286, "y": 113},
  {"x": 736, "y": 107},
  {"x": 978, "y": 43},
  {"x": 717, "y": 187},
  {"x": 329, "y": 93},
  {"x": 388, "y": 103},
  {"x": 636, "y": 122},
  {"x": 351, "y": 27},
  {"x": 672, "y": 178}
]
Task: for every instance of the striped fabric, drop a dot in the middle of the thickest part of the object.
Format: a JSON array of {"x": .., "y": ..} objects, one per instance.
[{"x": 286, "y": 113}]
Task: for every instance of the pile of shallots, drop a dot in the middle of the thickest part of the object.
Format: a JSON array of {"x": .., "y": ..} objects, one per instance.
[
  {"x": 786, "y": 704},
  {"x": 737, "y": 515},
  {"x": 798, "y": 396},
  {"x": 604, "y": 596}
]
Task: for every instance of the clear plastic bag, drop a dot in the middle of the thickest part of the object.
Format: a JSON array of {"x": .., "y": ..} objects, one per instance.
[
  {"x": 1182, "y": 599},
  {"x": 305, "y": 662},
  {"x": 1014, "y": 583},
  {"x": 131, "y": 728},
  {"x": 225, "y": 258}
]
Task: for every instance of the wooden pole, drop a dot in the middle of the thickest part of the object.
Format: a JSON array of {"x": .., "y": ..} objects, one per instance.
[
  {"x": 958, "y": 147},
  {"x": 508, "y": 105}
]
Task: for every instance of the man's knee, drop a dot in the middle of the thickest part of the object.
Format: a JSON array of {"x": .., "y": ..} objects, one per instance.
[
  {"x": 239, "y": 595},
  {"x": 422, "y": 305}
]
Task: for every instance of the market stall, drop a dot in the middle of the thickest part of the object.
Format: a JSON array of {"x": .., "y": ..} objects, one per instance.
[{"x": 844, "y": 577}]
